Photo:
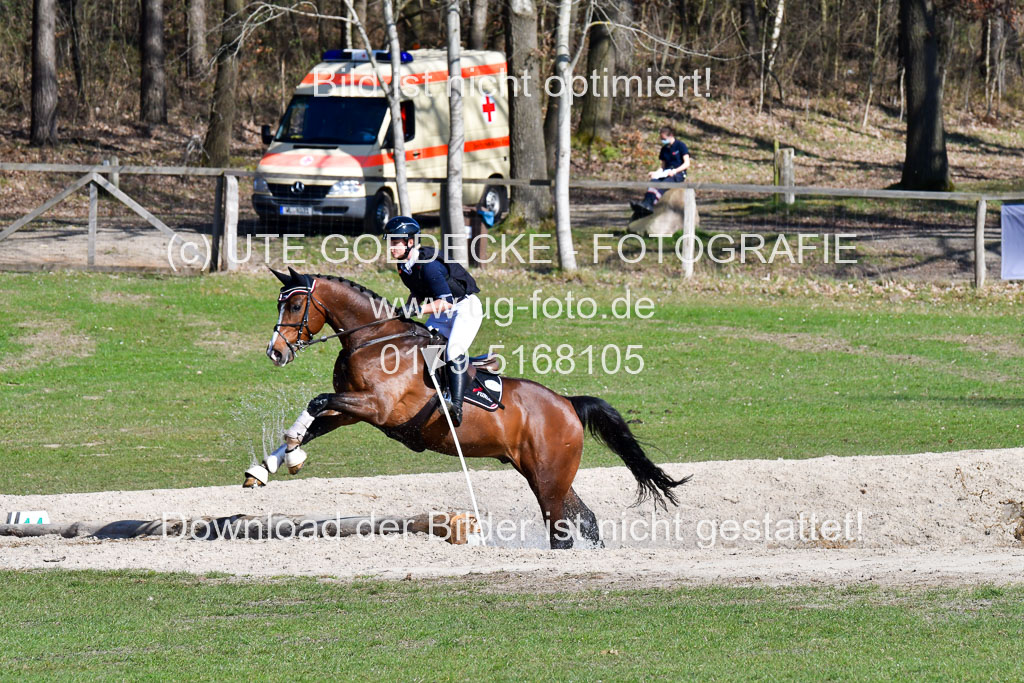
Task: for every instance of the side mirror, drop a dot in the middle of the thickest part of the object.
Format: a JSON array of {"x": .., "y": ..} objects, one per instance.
[{"x": 266, "y": 135}]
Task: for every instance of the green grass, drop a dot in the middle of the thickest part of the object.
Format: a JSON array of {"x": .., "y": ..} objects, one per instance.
[
  {"x": 139, "y": 625},
  {"x": 170, "y": 386}
]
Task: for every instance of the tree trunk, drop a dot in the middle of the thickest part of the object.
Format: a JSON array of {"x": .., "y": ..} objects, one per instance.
[
  {"x": 456, "y": 139},
  {"x": 925, "y": 166},
  {"x": 197, "y": 54},
  {"x": 879, "y": 5},
  {"x": 153, "y": 88},
  {"x": 78, "y": 63},
  {"x": 44, "y": 73},
  {"x": 595, "y": 126},
  {"x": 395, "y": 101},
  {"x": 748, "y": 10},
  {"x": 478, "y": 27},
  {"x": 551, "y": 113},
  {"x": 526, "y": 136},
  {"x": 217, "y": 146},
  {"x": 563, "y": 70}
]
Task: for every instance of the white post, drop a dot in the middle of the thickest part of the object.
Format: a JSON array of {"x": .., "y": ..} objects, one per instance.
[
  {"x": 231, "y": 222},
  {"x": 93, "y": 196},
  {"x": 689, "y": 230},
  {"x": 979, "y": 244},
  {"x": 788, "y": 178}
]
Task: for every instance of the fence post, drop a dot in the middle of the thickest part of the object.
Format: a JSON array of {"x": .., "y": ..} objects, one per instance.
[
  {"x": 689, "y": 229},
  {"x": 979, "y": 244},
  {"x": 218, "y": 224},
  {"x": 231, "y": 222},
  {"x": 93, "y": 200},
  {"x": 784, "y": 175},
  {"x": 115, "y": 176}
]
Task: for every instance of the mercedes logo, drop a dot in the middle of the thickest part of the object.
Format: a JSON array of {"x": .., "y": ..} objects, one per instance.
[{"x": 298, "y": 187}]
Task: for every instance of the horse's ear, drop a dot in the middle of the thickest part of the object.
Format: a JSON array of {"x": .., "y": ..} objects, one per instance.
[
  {"x": 280, "y": 276},
  {"x": 295, "y": 275}
]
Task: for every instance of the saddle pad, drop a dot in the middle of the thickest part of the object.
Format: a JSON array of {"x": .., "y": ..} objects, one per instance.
[{"x": 485, "y": 391}]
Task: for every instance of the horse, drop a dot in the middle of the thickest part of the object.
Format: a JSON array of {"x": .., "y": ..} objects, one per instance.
[{"x": 536, "y": 430}]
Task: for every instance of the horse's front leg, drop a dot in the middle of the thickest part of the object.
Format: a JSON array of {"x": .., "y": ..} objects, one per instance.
[{"x": 290, "y": 453}]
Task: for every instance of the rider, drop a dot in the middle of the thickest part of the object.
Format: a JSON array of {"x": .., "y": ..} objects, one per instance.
[{"x": 446, "y": 292}]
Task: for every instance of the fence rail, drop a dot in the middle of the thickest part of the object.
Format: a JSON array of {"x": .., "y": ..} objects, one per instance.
[
  {"x": 532, "y": 182},
  {"x": 225, "y": 216}
]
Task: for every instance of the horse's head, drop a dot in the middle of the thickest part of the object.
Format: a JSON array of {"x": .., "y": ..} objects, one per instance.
[{"x": 300, "y": 315}]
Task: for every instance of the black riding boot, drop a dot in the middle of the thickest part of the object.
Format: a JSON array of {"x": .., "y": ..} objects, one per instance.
[{"x": 457, "y": 373}]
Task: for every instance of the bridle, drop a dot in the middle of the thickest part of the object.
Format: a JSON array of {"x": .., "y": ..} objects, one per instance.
[{"x": 303, "y": 326}]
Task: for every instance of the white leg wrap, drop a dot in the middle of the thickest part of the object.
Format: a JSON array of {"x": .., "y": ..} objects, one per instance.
[
  {"x": 273, "y": 461},
  {"x": 294, "y": 457},
  {"x": 259, "y": 473},
  {"x": 298, "y": 430}
]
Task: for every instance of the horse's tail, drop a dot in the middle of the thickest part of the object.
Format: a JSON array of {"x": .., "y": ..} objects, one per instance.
[{"x": 606, "y": 424}]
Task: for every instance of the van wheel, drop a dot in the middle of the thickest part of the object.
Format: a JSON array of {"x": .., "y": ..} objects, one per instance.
[
  {"x": 495, "y": 200},
  {"x": 379, "y": 211}
]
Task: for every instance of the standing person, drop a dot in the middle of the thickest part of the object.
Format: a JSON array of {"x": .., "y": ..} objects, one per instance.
[
  {"x": 675, "y": 159},
  {"x": 444, "y": 291}
]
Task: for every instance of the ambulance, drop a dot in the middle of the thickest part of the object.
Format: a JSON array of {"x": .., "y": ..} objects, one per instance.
[{"x": 336, "y": 135}]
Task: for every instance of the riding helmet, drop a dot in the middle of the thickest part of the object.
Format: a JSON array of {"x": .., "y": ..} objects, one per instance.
[{"x": 402, "y": 225}]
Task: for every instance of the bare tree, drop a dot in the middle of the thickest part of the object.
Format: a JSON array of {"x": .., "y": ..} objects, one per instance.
[
  {"x": 153, "y": 86},
  {"x": 551, "y": 113},
  {"x": 217, "y": 146},
  {"x": 526, "y": 133},
  {"x": 395, "y": 102},
  {"x": 478, "y": 26},
  {"x": 392, "y": 91},
  {"x": 926, "y": 166},
  {"x": 456, "y": 245},
  {"x": 44, "y": 73},
  {"x": 563, "y": 71},
  {"x": 769, "y": 48},
  {"x": 71, "y": 9},
  {"x": 595, "y": 126},
  {"x": 197, "y": 53},
  {"x": 879, "y": 6}
]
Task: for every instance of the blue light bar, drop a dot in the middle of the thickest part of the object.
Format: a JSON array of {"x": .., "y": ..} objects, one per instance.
[{"x": 362, "y": 56}]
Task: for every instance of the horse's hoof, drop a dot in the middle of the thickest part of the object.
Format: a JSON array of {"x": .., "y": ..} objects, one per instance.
[
  {"x": 295, "y": 459},
  {"x": 257, "y": 475}
]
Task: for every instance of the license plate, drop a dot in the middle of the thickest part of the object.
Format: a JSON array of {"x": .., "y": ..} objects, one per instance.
[{"x": 296, "y": 210}]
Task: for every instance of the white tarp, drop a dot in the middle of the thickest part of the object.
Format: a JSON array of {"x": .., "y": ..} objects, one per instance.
[{"x": 1013, "y": 241}]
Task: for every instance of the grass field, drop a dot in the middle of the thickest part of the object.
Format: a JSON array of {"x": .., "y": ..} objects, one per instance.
[
  {"x": 126, "y": 382},
  {"x": 140, "y": 625}
]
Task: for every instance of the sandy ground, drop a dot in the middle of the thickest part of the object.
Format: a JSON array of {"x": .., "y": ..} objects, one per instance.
[{"x": 928, "y": 519}]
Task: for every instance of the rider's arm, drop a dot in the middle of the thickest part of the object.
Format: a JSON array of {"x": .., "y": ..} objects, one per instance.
[{"x": 434, "y": 273}]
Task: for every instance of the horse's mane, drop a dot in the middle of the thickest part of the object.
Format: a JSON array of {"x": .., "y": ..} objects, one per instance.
[
  {"x": 367, "y": 291},
  {"x": 355, "y": 285}
]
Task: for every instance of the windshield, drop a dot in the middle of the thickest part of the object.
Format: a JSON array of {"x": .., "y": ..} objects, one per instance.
[{"x": 332, "y": 120}]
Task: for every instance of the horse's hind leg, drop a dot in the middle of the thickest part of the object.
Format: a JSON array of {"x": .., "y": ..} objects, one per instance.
[{"x": 577, "y": 511}]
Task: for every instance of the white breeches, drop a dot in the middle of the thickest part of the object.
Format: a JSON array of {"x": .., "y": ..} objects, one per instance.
[{"x": 460, "y": 324}]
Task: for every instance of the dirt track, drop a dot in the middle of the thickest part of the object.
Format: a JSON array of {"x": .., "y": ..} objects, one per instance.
[{"x": 929, "y": 519}]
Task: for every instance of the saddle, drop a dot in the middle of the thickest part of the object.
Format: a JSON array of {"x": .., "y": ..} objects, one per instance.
[
  {"x": 484, "y": 391},
  {"x": 485, "y": 385}
]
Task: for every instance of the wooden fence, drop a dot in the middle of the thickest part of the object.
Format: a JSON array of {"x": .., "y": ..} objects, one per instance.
[{"x": 225, "y": 218}]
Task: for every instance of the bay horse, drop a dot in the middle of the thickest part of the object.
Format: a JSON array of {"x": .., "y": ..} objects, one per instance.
[{"x": 539, "y": 432}]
